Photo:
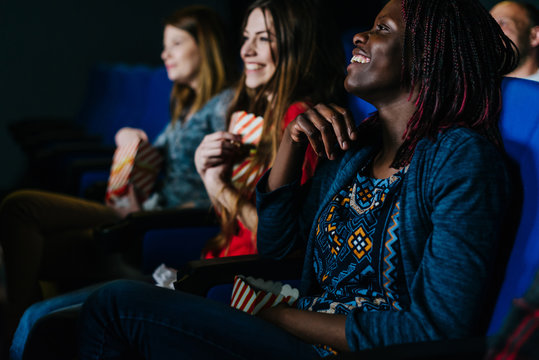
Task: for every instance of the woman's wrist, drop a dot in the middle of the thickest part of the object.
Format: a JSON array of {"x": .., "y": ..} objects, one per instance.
[
  {"x": 288, "y": 162},
  {"x": 216, "y": 186}
]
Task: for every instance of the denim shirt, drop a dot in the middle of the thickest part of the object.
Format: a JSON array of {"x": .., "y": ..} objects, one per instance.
[
  {"x": 453, "y": 199},
  {"x": 181, "y": 183}
]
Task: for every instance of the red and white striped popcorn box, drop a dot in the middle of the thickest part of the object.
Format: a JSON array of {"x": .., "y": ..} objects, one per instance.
[
  {"x": 250, "y": 128},
  {"x": 252, "y": 295},
  {"x": 136, "y": 163}
]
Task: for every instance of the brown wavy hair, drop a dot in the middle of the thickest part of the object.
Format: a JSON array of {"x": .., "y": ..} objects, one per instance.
[
  {"x": 216, "y": 70},
  {"x": 309, "y": 68}
]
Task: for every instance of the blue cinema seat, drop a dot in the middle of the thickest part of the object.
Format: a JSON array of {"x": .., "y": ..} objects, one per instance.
[
  {"x": 117, "y": 95},
  {"x": 153, "y": 113},
  {"x": 519, "y": 127}
]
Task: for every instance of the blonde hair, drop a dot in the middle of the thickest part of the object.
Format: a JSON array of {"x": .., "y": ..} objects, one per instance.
[{"x": 204, "y": 25}]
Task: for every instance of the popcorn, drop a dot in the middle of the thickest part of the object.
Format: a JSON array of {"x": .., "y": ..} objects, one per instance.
[
  {"x": 164, "y": 276},
  {"x": 253, "y": 295},
  {"x": 136, "y": 163}
]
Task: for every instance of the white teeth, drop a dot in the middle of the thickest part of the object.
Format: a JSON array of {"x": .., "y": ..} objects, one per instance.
[
  {"x": 360, "y": 59},
  {"x": 251, "y": 66}
]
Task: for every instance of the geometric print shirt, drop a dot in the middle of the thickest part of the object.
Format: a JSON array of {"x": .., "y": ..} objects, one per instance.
[{"x": 356, "y": 250}]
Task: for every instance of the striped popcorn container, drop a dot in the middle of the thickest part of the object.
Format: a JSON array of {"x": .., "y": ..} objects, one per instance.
[
  {"x": 250, "y": 128},
  {"x": 137, "y": 163},
  {"x": 252, "y": 295}
]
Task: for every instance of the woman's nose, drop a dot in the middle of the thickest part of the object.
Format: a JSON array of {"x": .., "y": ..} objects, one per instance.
[
  {"x": 361, "y": 38},
  {"x": 248, "y": 48}
]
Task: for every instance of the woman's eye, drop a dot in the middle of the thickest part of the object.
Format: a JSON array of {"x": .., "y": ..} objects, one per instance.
[
  {"x": 263, "y": 38},
  {"x": 381, "y": 27}
]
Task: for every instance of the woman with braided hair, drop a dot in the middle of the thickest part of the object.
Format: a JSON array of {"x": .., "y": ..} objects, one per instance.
[{"x": 400, "y": 223}]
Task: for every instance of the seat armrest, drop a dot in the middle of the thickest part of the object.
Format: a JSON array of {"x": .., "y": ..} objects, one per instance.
[
  {"x": 197, "y": 277},
  {"x": 118, "y": 236}
]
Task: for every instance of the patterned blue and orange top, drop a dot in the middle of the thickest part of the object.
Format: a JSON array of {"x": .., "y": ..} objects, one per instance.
[{"x": 357, "y": 257}]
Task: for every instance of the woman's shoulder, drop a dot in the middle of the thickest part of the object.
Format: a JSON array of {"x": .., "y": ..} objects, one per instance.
[
  {"x": 295, "y": 109},
  {"x": 217, "y": 105},
  {"x": 223, "y": 97},
  {"x": 300, "y": 106},
  {"x": 459, "y": 150},
  {"x": 458, "y": 138}
]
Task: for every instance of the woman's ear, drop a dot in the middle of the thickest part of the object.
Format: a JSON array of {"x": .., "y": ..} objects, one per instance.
[{"x": 534, "y": 36}]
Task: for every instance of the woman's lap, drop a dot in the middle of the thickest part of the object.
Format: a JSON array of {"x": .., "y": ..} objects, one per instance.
[{"x": 128, "y": 316}]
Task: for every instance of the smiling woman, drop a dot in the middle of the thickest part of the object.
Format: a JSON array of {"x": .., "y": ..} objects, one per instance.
[
  {"x": 399, "y": 224},
  {"x": 43, "y": 234},
  {"x": 280, "y": 57},
  {"x": 181, "y": 56},
  {"x": 259, "y": 49}
]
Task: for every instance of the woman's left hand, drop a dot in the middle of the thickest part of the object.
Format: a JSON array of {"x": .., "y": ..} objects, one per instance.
[{"x": 326, "y": 127}]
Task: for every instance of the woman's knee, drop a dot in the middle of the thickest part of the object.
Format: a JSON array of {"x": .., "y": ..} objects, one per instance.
[
  {"x": 21, "y": 205},
  {"x": 17, "y": 202},
  {"x": 112, "y": 294}
]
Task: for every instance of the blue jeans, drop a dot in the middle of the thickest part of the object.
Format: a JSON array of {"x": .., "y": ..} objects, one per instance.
[
  {"x": 127, "y": 319},
  {"x": 38, "y": 311}
]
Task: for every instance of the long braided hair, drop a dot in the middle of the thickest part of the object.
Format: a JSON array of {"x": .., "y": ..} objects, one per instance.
[{"x": 454, "y": 57}]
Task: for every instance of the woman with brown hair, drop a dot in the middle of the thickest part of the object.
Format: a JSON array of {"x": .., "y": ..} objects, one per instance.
[
  {"x": 48, "y": 236},
  {"x": 284, "y": 46}
]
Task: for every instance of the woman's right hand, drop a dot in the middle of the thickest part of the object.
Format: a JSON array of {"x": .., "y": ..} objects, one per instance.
[
  {"x": 129, "y": 135},
  {"x": 216, "y": 149},
  {"x": 327, "y": 128}
]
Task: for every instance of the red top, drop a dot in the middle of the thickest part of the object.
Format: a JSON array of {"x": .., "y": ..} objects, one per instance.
[{"x": 244, "y": 242}]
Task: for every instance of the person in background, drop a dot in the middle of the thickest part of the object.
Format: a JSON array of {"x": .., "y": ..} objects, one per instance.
[
  {"x": 276, "y": 85},
  {"x": 281, "y": 55},
  {"x": 400, "y": 223},
  {"x": 518, "y": 338},
  {"x": 49, "y": 236},
  {"x": 520, "y": 22}
]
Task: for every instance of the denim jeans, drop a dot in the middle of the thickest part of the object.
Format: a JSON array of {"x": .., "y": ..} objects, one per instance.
[
  {"x": 127, "y": 319},
  {"x": 38, "y": 311}
]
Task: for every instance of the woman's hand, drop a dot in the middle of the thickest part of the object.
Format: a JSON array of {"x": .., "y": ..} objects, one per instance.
[
  {"x": 311, "y": 327},
  {"x": 129, "y": 135},
  {"x": 216, "y": 149},
  {"x": 327, "y": 128},
  {"x": 126, "y": 204},
  {"x": 214, "y": 158}
]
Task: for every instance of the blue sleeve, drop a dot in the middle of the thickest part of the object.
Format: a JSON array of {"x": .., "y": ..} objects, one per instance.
[
  {"x": 278, "y": 212},
  {"x": 463, "y": 188},
  {"x": 161, "y": 140},
  {"x": 219, "y": 105}
]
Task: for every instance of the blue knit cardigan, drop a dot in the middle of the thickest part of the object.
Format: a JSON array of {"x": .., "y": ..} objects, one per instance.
[{"x": 452, "y": 204}]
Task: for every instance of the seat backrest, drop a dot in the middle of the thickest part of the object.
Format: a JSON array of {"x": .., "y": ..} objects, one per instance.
[
  {"x": 121, "y": 95},
  {"x": 519, "y": 127},
  {"x": 359, "y": 108},
  {"x": 157, "y": 113}
]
